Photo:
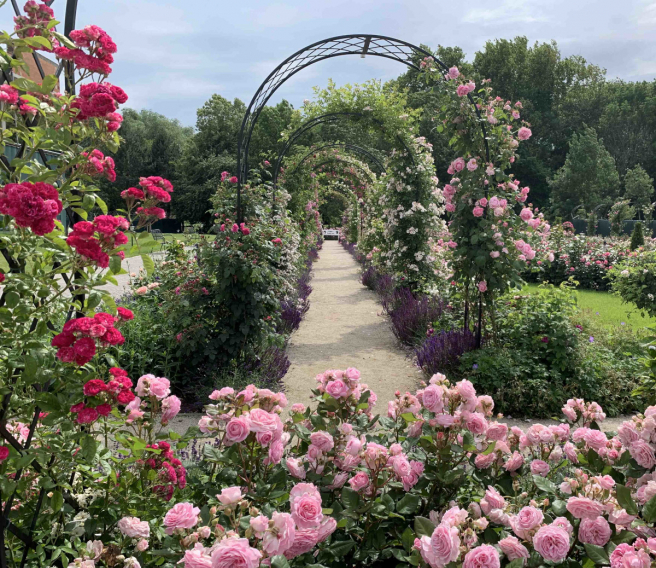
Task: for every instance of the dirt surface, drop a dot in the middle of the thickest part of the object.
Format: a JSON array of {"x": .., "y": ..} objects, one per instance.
[{"x": 344, "y": 327}]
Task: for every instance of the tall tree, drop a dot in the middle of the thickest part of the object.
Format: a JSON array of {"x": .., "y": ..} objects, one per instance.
[
  {"x": 638, "y": 187},
  {"x": 588, "y": 177}
]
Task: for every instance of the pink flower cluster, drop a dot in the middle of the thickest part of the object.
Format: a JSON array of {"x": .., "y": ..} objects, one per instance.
[
  {"x": 35, "y": 23},
  {"x": 289, "y": 534},
  {"x": 8, "y": 95},
  {"x": 151, "y": 191},
  {"x": 33, "y": 205},
  {"x": 228, "y": 419},
  {"x": 99, "y": 164},
  {"x": 95, "y": 240},
  {"x": 345, "y": 385},
  {"x": 80, "y": 336},
  {"x": 100, "y": 397},
  {"x": 100, "y": 46},
  {"x": 100, "y": 100}
]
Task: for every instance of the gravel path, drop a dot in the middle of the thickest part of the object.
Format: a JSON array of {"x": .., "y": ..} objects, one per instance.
[{"x": 345, "y": 328}]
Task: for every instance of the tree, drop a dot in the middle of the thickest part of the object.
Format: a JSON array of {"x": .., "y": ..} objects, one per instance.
[
  {"x": 587, "y": 178},
  {"x": 637, "y": 238},
  {"x": 151, "y": 145},
  {"x": 213, "y": 149},
  {"x": 638, "y": 187}
]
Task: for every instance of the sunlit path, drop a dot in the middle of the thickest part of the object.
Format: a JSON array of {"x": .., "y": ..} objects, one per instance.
[{"x": 344, "y": 328}]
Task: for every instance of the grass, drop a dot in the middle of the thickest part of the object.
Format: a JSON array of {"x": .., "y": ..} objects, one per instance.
[
  {"x": 156, "y": 246},
  {"x": 608, "y": 309}
]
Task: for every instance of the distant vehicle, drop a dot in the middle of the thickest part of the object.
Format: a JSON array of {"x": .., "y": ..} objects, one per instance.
[{"x": 331, "y": 234}]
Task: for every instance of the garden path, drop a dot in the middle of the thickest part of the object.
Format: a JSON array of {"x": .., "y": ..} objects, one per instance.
[{"x": 345, "y": 327}]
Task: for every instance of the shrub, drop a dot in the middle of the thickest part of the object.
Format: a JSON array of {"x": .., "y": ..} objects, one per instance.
[
  {"x": 635, "y": 281},
  {"x": 637, "y": 238},
  {"x": 370, "y": 277}
]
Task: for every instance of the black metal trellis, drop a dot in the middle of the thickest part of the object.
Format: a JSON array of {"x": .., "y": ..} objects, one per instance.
[
  {"x": 352, "y": 44},
  {"x": 326, "y": 119},
  {"x": 357, "y": 165},
  {"x": 24, "y": 534},
  {"x": 351, "y": 147}
]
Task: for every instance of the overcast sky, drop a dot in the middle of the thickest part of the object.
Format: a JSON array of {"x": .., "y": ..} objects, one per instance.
[{"x": 174, "y": 54}]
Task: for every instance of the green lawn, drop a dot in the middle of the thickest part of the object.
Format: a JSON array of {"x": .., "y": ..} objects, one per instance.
[{"x": 608, "y": 308}]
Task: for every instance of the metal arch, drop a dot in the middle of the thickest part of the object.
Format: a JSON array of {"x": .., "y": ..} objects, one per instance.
[
  {"x": 352, "y": 44},
  {"x": 352, "y": 147},
  {"x": 25, "y": 533},
  {"x": 357, "y": 165},
  {"x": 322, "y": 119}
]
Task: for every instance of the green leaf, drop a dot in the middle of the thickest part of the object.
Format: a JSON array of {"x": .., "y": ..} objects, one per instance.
[
  {"x": 649, "y": 510},
  {"x": 596, "y": 553},
  {"x": 56, "y": 501},
  {"x": 559, "y": 507},
  {"x": 543, "y": 484},
  {"x": 424, "y": 526},
  {"x": 409, "y": 417},
  {"x": 11, "y": 299},
  {"x": 350, "y": 498},
  {"x": 115, "y": 264},
  {"x": 103, "y": 206},
  {"x": 517, "y": 563},
  {"x": 38, "y": 41},
  {"x": 408, "y": 539},
  {"x": 625, "y": 499},
  {"x": 148, "y": 263},
  {"x": 89, "y": 447},
  {"x": 341, "y": 547},
  {"x": 279, "y": 561},
  {"x": 409, "y": 504}
]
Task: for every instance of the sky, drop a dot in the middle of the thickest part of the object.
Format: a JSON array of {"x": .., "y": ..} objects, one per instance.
[{"x": 174, "y": 54}]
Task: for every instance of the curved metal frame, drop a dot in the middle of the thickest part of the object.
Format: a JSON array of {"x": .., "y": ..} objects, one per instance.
[
  {"x": 351, "y": 147},
  {"x": 352, "y": 44},
  {"x": 323, "y": 119},
  {"x": 353, "y": 164},
  {"x": 24, "y": 534}
]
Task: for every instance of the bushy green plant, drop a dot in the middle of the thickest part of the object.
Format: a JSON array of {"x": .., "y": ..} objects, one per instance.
[
  {"x": 637, "y": 238},
  {"x": 635, "y": 281}
]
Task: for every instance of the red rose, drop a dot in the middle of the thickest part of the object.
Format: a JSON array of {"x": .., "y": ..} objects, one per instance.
[
  {"x": 103, "y": 409},
  {"x": 125, "y": 396},
  {"x": 87, "y": 415},
  {"x": 77, "y": 407},
  {"x": 94, "y": 387},
  {"x": 125, "y": 314},
  {"x": 4, "y": 453}
]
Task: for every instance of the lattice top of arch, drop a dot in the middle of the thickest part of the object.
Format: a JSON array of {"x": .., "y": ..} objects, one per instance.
[
  {"x": 350, "y": 147},
  {"x": 354, "y": 44}
]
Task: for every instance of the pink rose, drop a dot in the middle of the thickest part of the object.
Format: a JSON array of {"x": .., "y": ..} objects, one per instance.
[
  {"x": 237, "y": 430},
  {"x": 484, "y": 461},
  {"x": 170, "y": 408},
  {"x": 496, "y": 431},
  {"x": 484, "y": 556},
  {"x": 512, "y": 548},
  {"x": 539, "y": 467},
  {"x": 492, "y": 500},
  {"x": 642, "y": 453},
  {"x": 525, "y": 521},
  {"x": 276, "y": 450},
  {"x": 478, "y": 211},
  {"x": 514, "y": 462},
  {"x": 475, "y": 422},
  {"x": 134, "y": 527},
  {"x": 230, "y": 496},
  {"x": 584, "y": 508},
  {"x": 482, "y": 286},
  {"x": 263, "y": 421},
  {"x": 337, "y": 389},
  {"x": 524, "y": 133},
  {"x": 353, "y": 446},
  {"x": 425, "y": 548},
  {"x": 181, "y": 516},
  {"x": 281, "y": 536},
  {"x": 552, "y": 543},
  {"x": 295, "y": 468},
  {"x": 401, "y": 466},
  {"x": 150, "y": 385},
  {"x": 197, "y": 557},
  {"x": 304, "y": 541},
  {"x": 259, "y": 524},
  {"x": 359, "y": 481},
  {"x": 526, "y": 214},
  {"x": 595, "y": 531},
  {"x": 235, "y": 552},
  {"x": 142, "y": 545},
  {"x": 432, "y": 399},
  {"x": 445, "y": 544},
  {"x": 322, "y": 440}
]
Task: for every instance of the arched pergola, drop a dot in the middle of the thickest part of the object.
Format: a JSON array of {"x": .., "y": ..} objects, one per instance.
[
  {"x": 352, "y": 44},
  {"x": 351, "y": 147},
  {"x": 327, "y": 118}
]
